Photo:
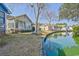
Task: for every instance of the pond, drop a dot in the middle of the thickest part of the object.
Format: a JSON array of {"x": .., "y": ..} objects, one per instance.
[{"x": 61, "y": 44}]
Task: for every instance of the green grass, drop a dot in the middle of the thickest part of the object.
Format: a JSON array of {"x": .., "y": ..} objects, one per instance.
[
  {"x": 74, "y": 51},
  {"x": 76, "y": 38}
]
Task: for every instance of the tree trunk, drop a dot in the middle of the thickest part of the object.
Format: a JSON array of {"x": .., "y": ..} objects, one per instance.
[
  {"x": 37, "y": 26},
  {"x": 37, "y": 18}
]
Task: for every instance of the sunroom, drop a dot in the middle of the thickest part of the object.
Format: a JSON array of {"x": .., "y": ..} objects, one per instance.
[{"x": 3, "y": 12}]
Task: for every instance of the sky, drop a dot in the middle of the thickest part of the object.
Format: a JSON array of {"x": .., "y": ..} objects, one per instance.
[{"x": 22, "y": 8}]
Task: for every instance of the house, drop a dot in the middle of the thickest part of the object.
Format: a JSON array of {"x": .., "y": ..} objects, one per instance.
[
  {"x": 69, "y": 28},
  {"x": 42, "y": 27},
  {"x": 10, "y": 28},
  {"x": 4, "y": 11},
  {"x": 64, "y": 28},
  {"x": 20, "y": 23},
  {"x": 23, "y": 23},
  {"x": 60, "y": 26},
  {"x": 45, "y": 27},
  {"x": 48, "y": 27}
]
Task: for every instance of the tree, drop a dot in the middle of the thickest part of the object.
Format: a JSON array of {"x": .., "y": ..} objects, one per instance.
[
  {"x": 69, "y": 11},
  {"x": 49, "y": 15},
  {"x": 37, "y": 9},
  {"x": 76, "y": 30}
]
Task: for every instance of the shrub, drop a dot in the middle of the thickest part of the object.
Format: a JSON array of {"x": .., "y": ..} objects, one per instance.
[
  {"x": 76, "y": 30},
  {"x": 33, "y": 29},
  {"x": 26, "y": 31},
  {"x": 76, "y": 38}
]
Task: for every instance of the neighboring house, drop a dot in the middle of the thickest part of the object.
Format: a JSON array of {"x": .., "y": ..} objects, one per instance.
[
  {"x": 60, "y": 26},
  {"x": 69, "y": 28},
  {"x": 42, "y": 27},
  {"x": 18, "y": 23},
  {"x": 63, "y": 29},
  {"x": 3, "y": 12},
  {"x": 45, "y": 27},
  {"x": 48, "y": 27},
  {"x": 23, "y": 23}
]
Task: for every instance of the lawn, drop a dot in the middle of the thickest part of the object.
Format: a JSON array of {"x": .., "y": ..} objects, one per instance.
[
  {"x": 21, "y": 44},
  {"x": 74, "y": 51}
]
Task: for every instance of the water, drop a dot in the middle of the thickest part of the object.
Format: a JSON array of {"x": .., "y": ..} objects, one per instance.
[{"x": 57, "y": 42}]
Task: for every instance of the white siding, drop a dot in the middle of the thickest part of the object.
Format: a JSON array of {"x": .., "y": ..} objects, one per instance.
[
  {"x": 20, "y": 25},
  {"x": 10, "y": 24},
  {"x": 21, "y": 22}
]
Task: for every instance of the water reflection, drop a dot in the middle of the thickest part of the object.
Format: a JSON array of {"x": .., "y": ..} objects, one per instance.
[
  {"x": 61, "y": 34},
  {"x": 53, "y": 48},
  {"x": 55, "y": 43}
]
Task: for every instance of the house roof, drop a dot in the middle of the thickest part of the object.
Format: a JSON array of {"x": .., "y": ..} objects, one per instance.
[
  {"x": 5, "y": 9},
  {"x": 24, "y": 16},
  {"x": 9, "y": 17}
]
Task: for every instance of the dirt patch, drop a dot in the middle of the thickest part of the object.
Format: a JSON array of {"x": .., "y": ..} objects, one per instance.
[{"x": 22, "y": 45}]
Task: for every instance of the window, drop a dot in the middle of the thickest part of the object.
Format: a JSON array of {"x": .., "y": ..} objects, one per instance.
[
  {"x": 11, "y": 25},
  {"x": 1, "y": 14},
  {"x": 1, "y": 21}
]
